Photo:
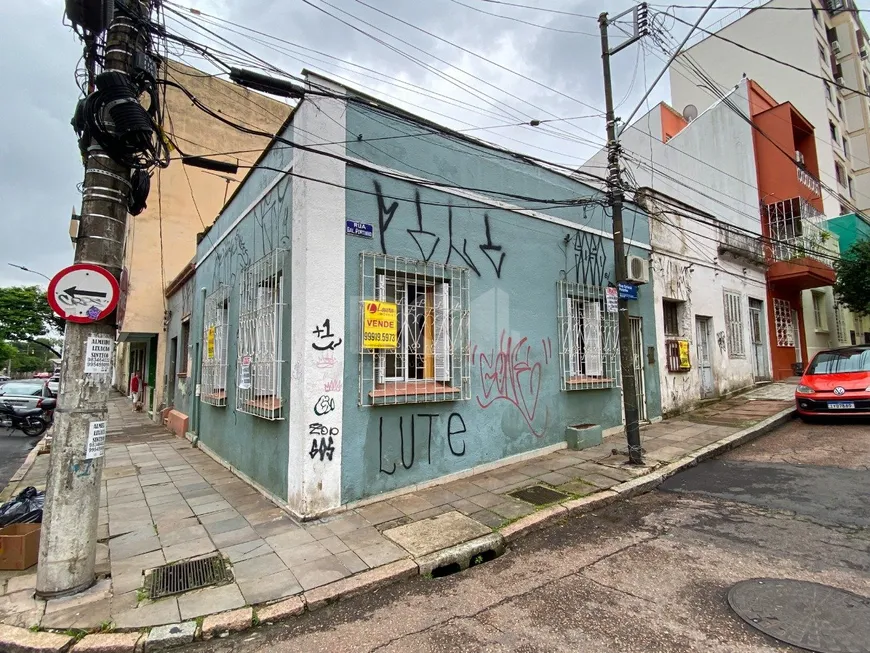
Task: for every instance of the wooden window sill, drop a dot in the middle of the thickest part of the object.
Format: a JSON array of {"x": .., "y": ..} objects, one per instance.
[
  {"x": 405, "y": 388},
  {"x": 218, "y": 396},
  {"x": 264, "y": 403}
]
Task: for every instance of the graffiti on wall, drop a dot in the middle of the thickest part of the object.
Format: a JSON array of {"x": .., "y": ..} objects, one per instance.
[
  {"x": 407, "y": 429},
  {"x": 427, "y": 241},
  {"x": 272, "y": 218},
  {"x": 326, "y": 339},
  {"x": 229, "y": 257},
  {"x": 513, "y": 374}
]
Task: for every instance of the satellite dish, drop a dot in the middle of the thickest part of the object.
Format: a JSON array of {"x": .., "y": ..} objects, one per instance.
[{"x": 690, "y": 112}]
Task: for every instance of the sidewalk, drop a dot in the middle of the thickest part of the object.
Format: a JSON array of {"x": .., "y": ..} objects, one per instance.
[{"x": 164, "y": 501}]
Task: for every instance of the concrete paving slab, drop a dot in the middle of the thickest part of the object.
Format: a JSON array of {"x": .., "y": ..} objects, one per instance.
[
  {"x": 429, "y": 535},
  {"x": 210, "y": 600},
  {"x": 275, "y": 527},
  {"x": 380, "y": 554},
  {"x": 190, "y": 549},
  {"x": 259, "y": 567},
  {"x": 170, "y": 636},
  {"x": 171, "y": 537},
  {"x": 237, "y": 536},
  {"x": 232, "y": 524},
  {"x": 157, "y": 613},
  {"x": 300, "y": 555},
  {"x": 246, "y": 550},
  {"x": 352, "y": 562},
  {"x": 320, "y": 572},
  {"x": 278, "y": 585},
  {"x": 80, "y": 617},
  {"x": 378, "y": 513}
]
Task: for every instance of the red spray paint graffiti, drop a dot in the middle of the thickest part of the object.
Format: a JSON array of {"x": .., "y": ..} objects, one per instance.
[{"x": 510, "y": 374}]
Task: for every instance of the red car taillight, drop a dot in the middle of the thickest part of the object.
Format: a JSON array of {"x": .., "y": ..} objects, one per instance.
[{"x": 39, "y": 403}]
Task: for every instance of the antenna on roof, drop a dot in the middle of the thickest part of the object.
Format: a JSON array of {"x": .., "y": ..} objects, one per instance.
[{"x": 690, "y": 112}]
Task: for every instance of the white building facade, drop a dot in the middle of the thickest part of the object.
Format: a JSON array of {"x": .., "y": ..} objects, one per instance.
[{"x": 698, "y": 183}]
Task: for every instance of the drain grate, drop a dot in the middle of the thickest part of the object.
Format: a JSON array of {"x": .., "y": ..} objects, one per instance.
[
  {"x": 188, "y": 575},
  {"x": 538, "y": 495}
]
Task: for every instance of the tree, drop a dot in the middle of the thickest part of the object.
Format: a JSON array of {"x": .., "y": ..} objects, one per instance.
[
  {"x": 853, "y": 278},
  {"x": 25, "y": 315}
]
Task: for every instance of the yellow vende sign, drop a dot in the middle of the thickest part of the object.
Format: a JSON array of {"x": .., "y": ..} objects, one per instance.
[
  {"x": 684, "y": 355},
  {"x": 209, "y": 348},
  {"x": 380, "y": 325}
]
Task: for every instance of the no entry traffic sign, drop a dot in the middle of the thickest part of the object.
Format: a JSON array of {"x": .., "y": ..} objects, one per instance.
[{"x": 83, "y": 293}]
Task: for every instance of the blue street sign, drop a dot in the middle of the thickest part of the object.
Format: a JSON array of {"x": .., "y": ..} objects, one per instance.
[
  {"x": 362, "y": 229},
  {"x": 627, "y": 291}
]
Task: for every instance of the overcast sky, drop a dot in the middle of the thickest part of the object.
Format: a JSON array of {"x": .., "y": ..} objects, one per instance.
[{"x": 39, "y": 160}]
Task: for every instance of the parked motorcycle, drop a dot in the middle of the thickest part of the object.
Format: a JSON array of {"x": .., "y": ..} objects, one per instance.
[
  {"x": 27, "y": 420},
  {"x": 48, "y": 406}
]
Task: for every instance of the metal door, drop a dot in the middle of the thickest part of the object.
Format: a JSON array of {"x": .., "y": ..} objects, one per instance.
[
  {"x": 637, "y": 366},
  {"x": 756, "y": 334},
  {"x": 705, "y": 364}
]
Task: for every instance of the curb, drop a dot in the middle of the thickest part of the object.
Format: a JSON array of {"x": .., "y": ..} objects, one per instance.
[
  {"x": 21, "y": 640},
  {"x": 12, "y": 485}
]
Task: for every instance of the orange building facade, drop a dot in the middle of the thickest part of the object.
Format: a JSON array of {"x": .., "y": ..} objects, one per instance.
[{"x": 792, "y": 221}]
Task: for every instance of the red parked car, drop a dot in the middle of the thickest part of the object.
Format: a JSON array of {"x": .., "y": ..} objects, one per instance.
[{"x": 837, "y": 382}]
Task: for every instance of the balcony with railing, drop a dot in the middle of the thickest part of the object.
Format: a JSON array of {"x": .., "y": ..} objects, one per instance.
[
  {"x": 740, "y": 245},
  {"x": 809, "y": 181},
  {"x": 798, "y": 245}
]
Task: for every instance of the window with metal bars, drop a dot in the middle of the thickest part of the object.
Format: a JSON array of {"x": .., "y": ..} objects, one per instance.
[
  {"x": 782, "y": 323},
  {"x": 259, "y": 360},
  {"x": 734, "y": 325},
  {"x": 840, "y": 322},
  {"x": 671, "y": 312},
  {"x": 215, "y": 348},
  {"x": 424, "y": 356},
  {"x": 589, "y": 341}
]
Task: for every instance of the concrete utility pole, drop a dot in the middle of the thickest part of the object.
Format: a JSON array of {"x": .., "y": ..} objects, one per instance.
[
  {"x": 616, "y": 195},
  {"x": 69, "y": 528}
]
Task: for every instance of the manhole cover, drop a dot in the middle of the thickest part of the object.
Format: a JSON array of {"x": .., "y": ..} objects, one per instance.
[
  {"x": 538, "y": 495},
  {"x": 817, "y": 617},
  {"x": 188, "y": 575}
]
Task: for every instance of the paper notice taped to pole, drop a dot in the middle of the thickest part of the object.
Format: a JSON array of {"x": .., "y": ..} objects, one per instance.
[
  {"x": 98, "y": 355},
  {"x": 96, "y": 445}
]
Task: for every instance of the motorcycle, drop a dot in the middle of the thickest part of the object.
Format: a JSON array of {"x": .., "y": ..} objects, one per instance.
[{"x": 28, "y": 420}]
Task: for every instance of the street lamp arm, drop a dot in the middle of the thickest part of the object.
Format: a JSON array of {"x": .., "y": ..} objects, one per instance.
[{"x": 21, "y": 267}]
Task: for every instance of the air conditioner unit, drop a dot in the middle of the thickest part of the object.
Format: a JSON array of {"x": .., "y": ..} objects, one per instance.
[
  {"x": 799, "y": 157},
  {"x": 835, "y": 47},
  {"x": 863, "y": 54},
  {"x": 638, "y": 269},
  {"x": 840, "y": 81}
]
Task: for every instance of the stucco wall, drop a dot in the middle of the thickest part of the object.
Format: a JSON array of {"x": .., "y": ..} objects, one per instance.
[
  {"x": 178, "y": 391},
  {"x": 257, "y": 447},
  {"x": 513, "y": 304}
]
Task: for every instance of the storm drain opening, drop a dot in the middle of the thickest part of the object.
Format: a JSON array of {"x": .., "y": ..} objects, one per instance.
[
  {"x": 188, "y": 575},
  {"x": 483, "y": 556},
  {"x": 446, "y": 570},
  {"x": 538, "y": 495}
]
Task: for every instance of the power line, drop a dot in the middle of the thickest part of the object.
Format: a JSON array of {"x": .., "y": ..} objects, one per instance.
[
  {"x": 844, "y": 9},
  {"x": 770, "y": 58},
  {"x": 524, "y": 22},
  {"x": 544, "y": 9}
]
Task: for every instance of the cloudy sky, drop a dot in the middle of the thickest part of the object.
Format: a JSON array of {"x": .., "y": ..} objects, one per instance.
[{"x": 512, "y": 64}]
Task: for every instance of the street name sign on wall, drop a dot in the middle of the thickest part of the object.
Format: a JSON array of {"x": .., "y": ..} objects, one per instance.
[{"x": 83, "y": 293}]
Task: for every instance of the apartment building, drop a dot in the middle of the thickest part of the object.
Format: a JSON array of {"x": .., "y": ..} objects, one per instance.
[
  {"x": 827, "y": 83},
  {"x": 183, "y": 202}
]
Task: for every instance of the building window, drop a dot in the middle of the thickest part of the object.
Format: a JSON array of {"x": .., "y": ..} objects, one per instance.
[
  {"x": 782, "y": 323},
  {"x": 672, "y": 319},
  {"x": 588, "y": 328},
  {"x": 822, "y": 52},
  {"x": 851, "y": 188},
  {"x": 820, "y": 316},
  {"x": 215, "y": 348},
  {"x": 846, "y": 151},
  {"x": 840, "y": 109},
  {"x": 866, "y": 81},
  {"x": 840, "y": 172},
  {"x": 835, "y": 136},
  {"x": 840, "y": 323},
  {"x": 844, "y": 210},
  {"x": 816, "y": 16},
  {"x": 734, "y": 325},
  {"x": 828, "y": 94},
  {"x": 185, "y": 347},
  {"x": 259, "y": 362},
  {"x": 415, "y": 339}
]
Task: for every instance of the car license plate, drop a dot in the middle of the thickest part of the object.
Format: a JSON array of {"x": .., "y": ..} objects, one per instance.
[{"x": 841, "y": 405}]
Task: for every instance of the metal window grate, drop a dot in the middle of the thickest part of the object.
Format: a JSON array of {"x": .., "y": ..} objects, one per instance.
[
  {"x": 734, "y": 325},
  {"x": 215, "y": 348},
  {"x": 840, "y": 322},
  {"x": 588, "y": 334},
  {"x": 782, "y": 323},
  {"x": 671, "y": 317},
  {"x": 259, "y": 361},
  {"x": 188, "y": 575},
  {"x": 426, "y": 356}
]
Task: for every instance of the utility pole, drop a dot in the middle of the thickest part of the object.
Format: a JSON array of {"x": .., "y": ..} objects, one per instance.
[
  {"x": 616, "y": 196},
  {"x": 69, "y": 528}
]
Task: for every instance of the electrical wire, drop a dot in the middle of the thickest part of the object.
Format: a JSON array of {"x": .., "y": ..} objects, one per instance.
[
  {"x": 524, "y": 22},
  {"x": 544, "y": 9}
]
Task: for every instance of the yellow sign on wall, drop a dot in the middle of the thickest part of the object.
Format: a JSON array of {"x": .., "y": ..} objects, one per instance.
[
  {"x": 684, "y": 355},
  {"x": 209, "y": 340},
  {"x": 380, "y": 325}
]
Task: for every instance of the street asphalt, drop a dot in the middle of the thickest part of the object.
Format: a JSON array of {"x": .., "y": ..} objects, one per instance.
[
  {"x": 647, "y": 575},
  {"x": 14, "y": 448}
]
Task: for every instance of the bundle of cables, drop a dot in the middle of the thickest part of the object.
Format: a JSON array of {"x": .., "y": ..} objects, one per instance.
[{"x": 124, "y": 129}]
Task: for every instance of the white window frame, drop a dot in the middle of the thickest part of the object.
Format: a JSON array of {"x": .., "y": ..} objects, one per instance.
[
  {"x": 214, "y": 370},
  {"x": 259, "y": 361},
  {"x": 589, "y": 340},
  {"x": 840, "y": 323},
  {"x": 449, "y": 350},
  {"x": 734, "y": 324},
  {"x": 820, "y": 315}
]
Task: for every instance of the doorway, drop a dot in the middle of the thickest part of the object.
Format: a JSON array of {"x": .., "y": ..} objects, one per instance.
[
  {"x": 705, "y": 361},
  {"x": 637, "y": 366},
  {"x": 173, "y": 369},
  {"x": 796, "y": 330},
  {"x": 756, "y": 334}
]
